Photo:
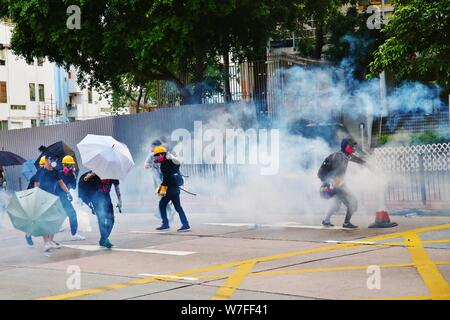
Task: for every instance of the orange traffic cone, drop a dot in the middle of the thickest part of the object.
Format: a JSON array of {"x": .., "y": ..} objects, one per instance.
[{"x": 382, "y": 220}]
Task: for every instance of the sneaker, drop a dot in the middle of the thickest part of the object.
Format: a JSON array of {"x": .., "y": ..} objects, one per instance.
[
  {"x": 77, "y": 237},
  {"x": 348, "y": 225},
  {"x": 163, "y": 227},
  {"x": 47, "y": 247},
  {"x": 327, "y": 224},
  {"x": 55, "y": 245},
  {"x": 184, "y": 229},
  {"x": 106, "y": 244},
  {"x": 29, "y": 240}
]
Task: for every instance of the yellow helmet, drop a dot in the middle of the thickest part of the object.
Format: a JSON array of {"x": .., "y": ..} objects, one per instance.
[
  {"x": 159, "y": 150},
  {"x": 68, "y": 160},
  {"x": 42, "y": 161}
]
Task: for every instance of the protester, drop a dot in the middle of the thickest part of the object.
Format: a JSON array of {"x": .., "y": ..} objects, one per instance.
[
  {"x": 169, "y": 189},
  {"x": 333, "y": 172},
  {"x": 157, "y": 178},
  {"x": 49, "y": 179},
  {"x": 69, "y": 176},
  {"x": 99, "y": 199}
]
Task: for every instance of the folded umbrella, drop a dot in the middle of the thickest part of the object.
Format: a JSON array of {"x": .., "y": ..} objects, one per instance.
[
  {"x": 58, "y": 149},
  {"x": 36, "y": 212},
  {"x": 10, "y": 159},
  {"x": 29, "y": 170},
  {"x": 107, "y": 157}
]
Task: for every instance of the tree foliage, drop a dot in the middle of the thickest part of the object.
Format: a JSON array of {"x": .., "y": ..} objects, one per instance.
[{"x": 418, "y": 42}]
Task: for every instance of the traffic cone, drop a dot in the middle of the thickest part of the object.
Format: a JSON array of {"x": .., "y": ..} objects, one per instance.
[{"x": 382, "y": 220}]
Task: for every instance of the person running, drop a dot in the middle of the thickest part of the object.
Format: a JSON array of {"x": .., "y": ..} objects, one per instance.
[
  {"x": 69, "y": 176},
  {"x": 49, "y": 179},
  {"x": 169, "y": 189},
  {"x": 333, "y": 172},
  {"x": 157, "y": 178},
  {"x": 102, "y": 204}
]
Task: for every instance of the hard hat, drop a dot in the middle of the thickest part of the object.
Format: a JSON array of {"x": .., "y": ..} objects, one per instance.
[
  {"x": 68, "y": 160},
  {"x": 159, "y": 150},
  {"x": 42, "y": 161}
]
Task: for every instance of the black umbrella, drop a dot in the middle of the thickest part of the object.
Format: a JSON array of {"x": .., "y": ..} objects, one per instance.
[
  {"x": 58, "y": 149},
  {"x": 10, "y": 159}
]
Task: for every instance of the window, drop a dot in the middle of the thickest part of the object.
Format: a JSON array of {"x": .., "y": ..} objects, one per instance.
[
  {"x": 40, "y": 62},
  {"x": 3, "y": 92},
  {"x": 32, "y": 88},
  {"x": 41, "y": 93},
  {"x": 18, "y": 107},
  {"x": 90, "y": 95},
  {"x": 4, "y": 125},
  {"x": 33, "y": 123},
  {"x": 2, "y": 57}
]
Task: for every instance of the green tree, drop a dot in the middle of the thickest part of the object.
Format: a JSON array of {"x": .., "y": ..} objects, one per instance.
[
  {"x": 418, "y": 42},
  {"x": 171, "y": 40}
]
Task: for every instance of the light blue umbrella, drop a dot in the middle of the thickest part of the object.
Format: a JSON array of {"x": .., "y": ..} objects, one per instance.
[
  {"x": 29, "y": 169},
  {"x": 36, "y": 212}
]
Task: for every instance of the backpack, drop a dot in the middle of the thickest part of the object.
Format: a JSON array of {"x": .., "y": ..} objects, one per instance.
[
  {"x": 178, "y": 179},
  {"x": 326, "y": 168},
  {"x": 86, "y": 189}
]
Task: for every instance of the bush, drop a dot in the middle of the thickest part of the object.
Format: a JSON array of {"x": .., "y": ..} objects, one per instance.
[{"x": 429, "y": 137}]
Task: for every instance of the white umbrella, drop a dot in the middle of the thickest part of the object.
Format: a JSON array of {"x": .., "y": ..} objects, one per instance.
[{"x": 107, "y": 157}]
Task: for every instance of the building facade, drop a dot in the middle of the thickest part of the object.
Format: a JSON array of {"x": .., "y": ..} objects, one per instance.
[{"x": 41, "y": 93}]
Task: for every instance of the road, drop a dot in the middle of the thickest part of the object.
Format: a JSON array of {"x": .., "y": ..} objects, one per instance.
[{"x": 235, "y": 260}]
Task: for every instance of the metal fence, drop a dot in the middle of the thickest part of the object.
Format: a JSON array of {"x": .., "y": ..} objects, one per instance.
[{"x": 419, "y": 173}]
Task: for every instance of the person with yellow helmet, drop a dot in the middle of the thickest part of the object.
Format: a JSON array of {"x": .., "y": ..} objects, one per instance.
[
  {"x": 158, "y": 177},
  {"x": 169, "y": 190},
  {"x": 69, "y": 174}
]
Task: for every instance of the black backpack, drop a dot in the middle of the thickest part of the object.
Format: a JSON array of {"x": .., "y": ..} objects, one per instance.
[
  {"x": 326, "y": 168},
  {"x": 86, "y": 189}
]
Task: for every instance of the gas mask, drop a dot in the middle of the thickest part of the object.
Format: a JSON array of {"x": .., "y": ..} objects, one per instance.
[
  {"x": 349, "y": 150},
  {"x": 160, "y": 158}
]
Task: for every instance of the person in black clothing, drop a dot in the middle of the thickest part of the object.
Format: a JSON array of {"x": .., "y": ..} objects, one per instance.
[
  {"x": 333, "y": 171},
  {"x": 169, "y": 189},
  {"x": 101, "y": 203}
]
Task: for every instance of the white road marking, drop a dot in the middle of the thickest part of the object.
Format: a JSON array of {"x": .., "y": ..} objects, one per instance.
[
  {"x": 154, "y": 251},
  {"x": 166, "y": 276},
  {"x": 276, "y": 225},
  {"x": 352, "y": 242},
  {"x": 233, "y": 224}
]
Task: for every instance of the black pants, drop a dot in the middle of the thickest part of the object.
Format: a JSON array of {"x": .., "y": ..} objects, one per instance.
[
  {"x": 71, "y": 213},
  {"x": 173, "y": 194},
  {"x": 104, "y": 211},
  {"x": 343, "y": 196}
]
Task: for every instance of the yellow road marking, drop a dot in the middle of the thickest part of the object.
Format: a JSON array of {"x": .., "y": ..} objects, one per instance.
[
  {"x": 248, "y": 261},
  {"x": 401, "y": 298},
  {"x": 234, "y": 281},
  {"x": 430, "y": 274}
]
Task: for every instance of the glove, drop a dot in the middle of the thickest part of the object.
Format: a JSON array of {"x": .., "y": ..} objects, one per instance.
[
  {"x": 69, "y": 197},
  {"x": 162, "y": 190}
]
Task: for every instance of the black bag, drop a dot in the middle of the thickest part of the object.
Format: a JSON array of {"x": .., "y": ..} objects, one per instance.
[
  {"x": 326, "y": 168},
  {"x": 86, "y": 189},
  {"x": 178, "y": 178}
]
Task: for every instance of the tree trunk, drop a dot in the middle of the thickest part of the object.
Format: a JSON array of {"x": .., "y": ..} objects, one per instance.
[
  {"x": 138, "y": 102},
  {"x": 199, "y": 75},
  {"x": 319, "y": 40},
  {"x": 260, "y": 81}
]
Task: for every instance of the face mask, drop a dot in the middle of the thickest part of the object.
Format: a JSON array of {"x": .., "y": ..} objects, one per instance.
[
  {"x": 348, "y": 150},
  {"x": 66, "y": 170}
]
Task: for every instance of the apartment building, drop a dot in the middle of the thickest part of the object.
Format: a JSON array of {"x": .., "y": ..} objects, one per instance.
[{"x": 41, "y": 93}]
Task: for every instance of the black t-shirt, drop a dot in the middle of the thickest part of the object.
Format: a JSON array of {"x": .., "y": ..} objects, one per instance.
[{"x": 48, "y": 180}]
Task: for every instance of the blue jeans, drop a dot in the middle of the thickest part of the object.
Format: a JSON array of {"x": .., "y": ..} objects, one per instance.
[
  {"x": 173, "y": 194},
  {"x": 105, "y": 216},
  {"x": 71, "y": 213}
]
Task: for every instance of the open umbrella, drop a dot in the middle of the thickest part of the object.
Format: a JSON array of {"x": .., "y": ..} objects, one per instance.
[
  {"x": 58, "y": 149},
  {"x": 10, "y": 159},
  {"x": 36, "y": 212},
  {"x": 107, "y": 157},
  {"x": 29, "y": 170}
]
